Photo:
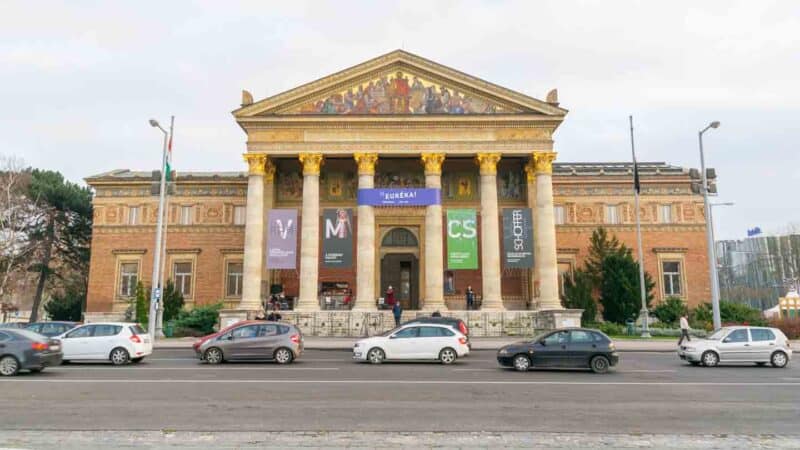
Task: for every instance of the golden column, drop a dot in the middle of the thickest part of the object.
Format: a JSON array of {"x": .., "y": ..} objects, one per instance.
[
  {"x": 547, "y": 260},
  {"x": 434, "y": 264},
  {"x": 365, "y": 262},
  {"x": 490, "y": 233},
  {"x": 253, "y": 232},
  {"x": 309, "y": 235}
]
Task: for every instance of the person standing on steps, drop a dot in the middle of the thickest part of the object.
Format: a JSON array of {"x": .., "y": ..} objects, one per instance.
[
  {"x": 470, "y": 298},
  {"x": 390, "y": 297},
  {"x": 397, "y": 311},
  {"x": 684, "y": 330}
]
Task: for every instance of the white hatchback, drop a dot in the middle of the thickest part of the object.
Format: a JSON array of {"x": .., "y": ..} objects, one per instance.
[
  {"x": 739, "y": 344},
  {"x": 117, "y": 342},
  {"x": 417, "y": 341}
]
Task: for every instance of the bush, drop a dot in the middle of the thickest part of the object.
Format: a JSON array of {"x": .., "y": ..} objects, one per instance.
[
  {"x": 609, "y": 328},
  {"x": 142, "y": 304},
  {"x": 670, "y": 310},
  {"x": 730, "y": 313},
  {"x": 789, "y": 325},
  {"x": 578, "y": 295},
  {"x": 172, "y": 301},
  {"x": 66, "y": 306},
  {"x": 201, "y": 319}
]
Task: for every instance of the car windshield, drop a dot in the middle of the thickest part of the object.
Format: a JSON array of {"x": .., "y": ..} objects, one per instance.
[
  {"x": 539, "y": 337},
  {"x": 718, "y": 334},
  {"x": 28, "y": 334},
  {"x": 390, "y": 332}
]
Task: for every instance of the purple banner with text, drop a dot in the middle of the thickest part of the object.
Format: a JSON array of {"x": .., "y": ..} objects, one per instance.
[
  {"x": 282, "y": 239},
  {"x": 399, "y": 197}
]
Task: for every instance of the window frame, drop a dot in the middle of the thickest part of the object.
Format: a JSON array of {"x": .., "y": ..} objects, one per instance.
[
  {"x": 236, "y": 214},
  {"x": 183, "y": 275},
  {"x": 678, "y": 273},
  {"x": 239, "y": 280},
  {"x": 188, "y": 219},
  {"x": 559, "y": 214},
  {"x": 133, "y": 214},
  {"x": 124, "y": 275},
  {"x": 608, "y": 217},
  {"x": 665, "y": 218}
]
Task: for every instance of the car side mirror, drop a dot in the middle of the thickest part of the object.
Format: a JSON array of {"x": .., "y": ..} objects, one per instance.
[
  {"x": 392, "y": 336},
  {"x": 543, "y": 343},
  {"x": 230, "y": 337},
  {"x": 726, "y": 340}
]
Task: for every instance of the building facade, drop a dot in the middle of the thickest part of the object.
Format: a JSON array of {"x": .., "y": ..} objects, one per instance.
[{"x": 397, "y": 125}]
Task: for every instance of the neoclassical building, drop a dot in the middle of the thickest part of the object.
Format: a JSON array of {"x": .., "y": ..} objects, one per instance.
[{"x": 396, "y": 172}]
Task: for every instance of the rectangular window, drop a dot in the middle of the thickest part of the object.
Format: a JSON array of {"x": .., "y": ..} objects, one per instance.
[
  {"x": 235, "y": 270},
  {"x": 186, "y": 215},
  {"x": 182, "y": 275},
  {"x": 239, "y": 215},
  {"x": 665, "y": 213},
  {"x": 128, "y": 278},
  {"x": 133, "y": 215},
  {"x": 672, "y": 278},
  {"x": 558, "y": 214},
  {"x": 612, "y": 214}
]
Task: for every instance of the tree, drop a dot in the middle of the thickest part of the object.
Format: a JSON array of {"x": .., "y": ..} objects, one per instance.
[
  {"x": 578, "y": 295},
  {"x": 619, "y": 291},
  {"x": 16, "y": 210},
  {"x": 600, "y": 247},
  {"x": 60, "y": 231},
  {"x": 142, "y": 304},
  {"x": 670, "y": 310},
  {"x": 173, "y": 301},
  {"x": 66, "y": 306}
]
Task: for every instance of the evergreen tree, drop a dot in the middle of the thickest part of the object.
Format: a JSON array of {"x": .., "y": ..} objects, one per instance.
[
  {"x": 578, "y": 295},
  {"x": 600, "y": 247},
  {"x": 68, "y": 305},
  {"x": 142, "y": 304},
  {"x": 619, "y": 291},
  {"x": 173, "y": 302}
]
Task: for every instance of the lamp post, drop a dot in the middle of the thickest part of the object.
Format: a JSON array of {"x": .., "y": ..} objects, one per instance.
[
  {"x": 712, "y": 253},
  {"x": 155, "y": 293}
]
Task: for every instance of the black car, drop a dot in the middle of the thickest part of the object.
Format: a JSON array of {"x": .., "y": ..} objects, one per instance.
[
  {"x": 26, "y": 350},
  {"x": 51, "y": 329},
  {"x": 571, "y": 347}
]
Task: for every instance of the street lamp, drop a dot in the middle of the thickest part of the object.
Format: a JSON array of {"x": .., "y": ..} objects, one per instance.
[
  {"x": 155, "y": 293},
  {"x": 712, "y": 253}
]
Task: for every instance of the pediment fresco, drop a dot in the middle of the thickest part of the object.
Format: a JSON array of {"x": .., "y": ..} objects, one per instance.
[{"x": 399, "y": 93}]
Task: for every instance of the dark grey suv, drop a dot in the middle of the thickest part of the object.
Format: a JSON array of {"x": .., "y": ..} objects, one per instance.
[{"x": 26, "y": 350}]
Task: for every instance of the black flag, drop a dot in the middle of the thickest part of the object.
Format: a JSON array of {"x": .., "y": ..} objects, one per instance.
[{"x": 636, "y": 185}]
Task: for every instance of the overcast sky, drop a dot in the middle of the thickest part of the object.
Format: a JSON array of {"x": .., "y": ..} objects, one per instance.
[{"x": 78, "y": 80}]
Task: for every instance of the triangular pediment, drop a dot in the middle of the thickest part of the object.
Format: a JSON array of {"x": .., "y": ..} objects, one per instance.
[{"x": 398, "y": 83}]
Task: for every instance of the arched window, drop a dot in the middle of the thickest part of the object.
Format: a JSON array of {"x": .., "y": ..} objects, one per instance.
[{"x": 399, "y": 237}]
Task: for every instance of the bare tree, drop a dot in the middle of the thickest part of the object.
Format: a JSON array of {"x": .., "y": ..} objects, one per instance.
[{"x": 16, "y": 210}]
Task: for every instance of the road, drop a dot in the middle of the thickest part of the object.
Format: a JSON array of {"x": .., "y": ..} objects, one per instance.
[{"x": 326, "y": 391}]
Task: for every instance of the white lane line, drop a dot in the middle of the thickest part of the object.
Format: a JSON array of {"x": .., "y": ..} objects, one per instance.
[
  {"x": 198, "y": 368},
  {"x": 647, "y": 371},
  {"x": 477, "y": 370},
  {"x": 399, "y": 382}
]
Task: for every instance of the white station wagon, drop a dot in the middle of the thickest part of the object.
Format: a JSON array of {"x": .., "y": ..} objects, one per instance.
[
  {"x": 414, "y": 341},
  {"x": 759, "y": 345}
]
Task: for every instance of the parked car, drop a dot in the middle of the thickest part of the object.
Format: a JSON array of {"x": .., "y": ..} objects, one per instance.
[
  {"x": 51, "y": 329},
  {"x": 413, "y": 341},
  {"x": 759, "y": 345},
  {"x": 16, "y": 325},
  {"x": 252, "y": 340},
  {"x": 117, "y": 342},
  {"x": 571, "y": 347},
  {"x": 454, "y": 322},
  {"x": 25, "y": 350}
]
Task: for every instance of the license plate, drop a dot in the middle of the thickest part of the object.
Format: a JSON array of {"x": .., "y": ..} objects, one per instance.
[
  {"x": 357, "y": 354},
  {"x": 55, "y": 347}
]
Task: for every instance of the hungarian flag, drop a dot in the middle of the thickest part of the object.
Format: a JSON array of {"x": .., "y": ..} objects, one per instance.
[{"x": 168, "y": 166}]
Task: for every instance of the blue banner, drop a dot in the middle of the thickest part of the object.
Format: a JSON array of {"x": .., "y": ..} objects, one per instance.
[{"x": 399, "y": 197}]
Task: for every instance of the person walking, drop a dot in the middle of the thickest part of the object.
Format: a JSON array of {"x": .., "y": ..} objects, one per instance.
[
  {"x": 684, "y": 330},
  {"x": 397, "y": 311},
  {"x": 470, "y": 298}
]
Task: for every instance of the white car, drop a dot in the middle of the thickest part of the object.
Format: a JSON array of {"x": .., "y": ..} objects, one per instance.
[
  {"x": 117, "y": 342},
  {"x": 740, "y": 344},
  {"x": 416, "y": 341}
]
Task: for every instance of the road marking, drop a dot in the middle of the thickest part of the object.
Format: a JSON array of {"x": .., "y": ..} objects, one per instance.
[
  {"x": 646, "y": 371},
  {"x": 201, "y": 368},
  {"x": 401, "y": 382},
  {"x": 477, "y": 370}
]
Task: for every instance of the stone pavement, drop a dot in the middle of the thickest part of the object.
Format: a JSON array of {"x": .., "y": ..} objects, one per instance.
[
  {"x": 69, "y": 440},
  {"x": 478, "y": 343}
]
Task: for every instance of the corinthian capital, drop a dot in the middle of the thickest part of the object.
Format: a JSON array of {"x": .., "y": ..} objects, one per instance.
[
  {"x": 543, "y": 161},
  {"x": 432, "y": 162},
  {"x": 255, "y": 163},
  {"x": 487, "y": 162},
  {"x": 311, "y": 163},
  {"x": 366, "y": 162}
]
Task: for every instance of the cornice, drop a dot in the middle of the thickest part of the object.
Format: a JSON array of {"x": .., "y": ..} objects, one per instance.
[
  {"x": 670, "y": 250},
  {"x": 173, "y": 251},
  {"x": 129, "y": 251},
  {"x": 581, "y": 228},
  {"x": 127, "y": 229}
]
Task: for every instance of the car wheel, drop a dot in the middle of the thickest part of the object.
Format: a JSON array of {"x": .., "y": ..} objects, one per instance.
[
  {"x": 213, "y": 355},
  {"x": 447, "y": 356},
  {"x": 710, "y": 359},
  {"x": 599, "y": 364},
  {"x": 779, "y": 359},
  {"x": 376, "y": 356},
  {"x": 9, "y": 366},
  {"x": 119, "y": 356},
  {"x": 283, "y": 356},
  {"x": 522, "y": 363}
]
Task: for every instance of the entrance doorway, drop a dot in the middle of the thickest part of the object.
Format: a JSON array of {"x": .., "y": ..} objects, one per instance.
[{"x": 400, "y": 267}]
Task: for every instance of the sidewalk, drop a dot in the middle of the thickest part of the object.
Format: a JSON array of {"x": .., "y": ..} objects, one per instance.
[{"x": 478, "y": 343}]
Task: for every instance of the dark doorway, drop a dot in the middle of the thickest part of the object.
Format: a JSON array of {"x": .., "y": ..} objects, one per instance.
[{"x": 401, "y": 271}]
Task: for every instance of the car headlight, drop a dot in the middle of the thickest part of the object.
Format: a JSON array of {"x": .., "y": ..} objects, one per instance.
[
  {"x": 689, "y": 349},
  {"x": 503, "y": 351},
  {"x": 358, "y": 344}
]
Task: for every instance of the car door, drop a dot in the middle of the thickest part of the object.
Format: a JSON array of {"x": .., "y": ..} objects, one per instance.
[
  {"x": 551, "y": 351},
  {"x": 735, "y": 346},
  {"x": 244, "y": 344},
  {"x": 430, "y": 342},
  {"x": 762, "y": 343},
  {"x": 75, "y": 344},
  {"x": 268, "y": 340},
  {"x": 104, "y": 339},
  {"x": 402, "y": 344},
  {"x": 580, "y": 348}
]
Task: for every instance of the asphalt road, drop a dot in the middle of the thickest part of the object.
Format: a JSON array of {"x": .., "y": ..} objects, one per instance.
[{"x": 326, "y": 391}]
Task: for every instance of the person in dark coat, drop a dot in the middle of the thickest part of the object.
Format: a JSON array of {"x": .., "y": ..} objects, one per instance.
[
  {"x": 470, "y": 298},
  {"x": 397, "y": 311}
]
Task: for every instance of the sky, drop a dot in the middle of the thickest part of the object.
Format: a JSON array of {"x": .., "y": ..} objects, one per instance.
[{"x": 79, "y": 79}]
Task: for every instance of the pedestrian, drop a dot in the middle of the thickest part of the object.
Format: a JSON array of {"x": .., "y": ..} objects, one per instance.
[
  {"x": 470, "y": 298},
  {"x": 274, "y": 316},
  {"x": 397, "y": 310},
  {"x": 436, "y": 314},
  {"x": 390, "y": 296},
  {"x": 684, "y": 330}
]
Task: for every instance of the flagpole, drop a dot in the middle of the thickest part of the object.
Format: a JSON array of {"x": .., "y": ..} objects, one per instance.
[
  {"x": 165, "y": 220},
  {"x": 155, "y": 293},
  {"x": 636, "y": 189}
]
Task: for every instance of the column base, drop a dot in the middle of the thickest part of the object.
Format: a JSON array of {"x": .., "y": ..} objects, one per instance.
[
  {"x": 493, "y": 305},
  {"x": 250, "y": 305},
  {"x": 434, "y": 305},
  {"x": 307, "y": 305},
  {"x": 549, "y": 304}
]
